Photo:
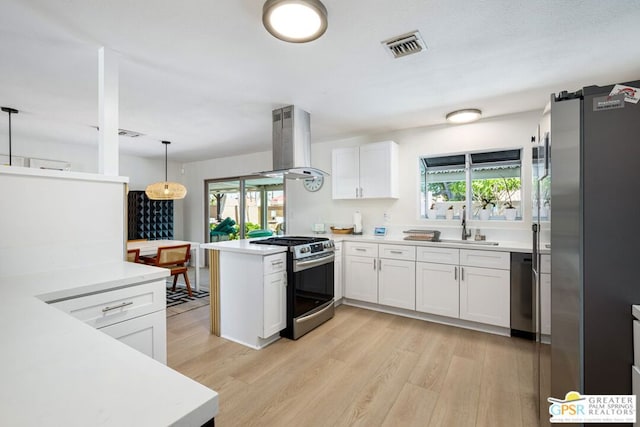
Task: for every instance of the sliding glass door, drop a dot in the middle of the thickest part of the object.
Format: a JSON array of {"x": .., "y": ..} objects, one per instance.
[{"x": 252, "y": 203}]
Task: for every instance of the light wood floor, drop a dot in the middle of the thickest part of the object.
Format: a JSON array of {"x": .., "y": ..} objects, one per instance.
[{"x": 361, "y": 368}]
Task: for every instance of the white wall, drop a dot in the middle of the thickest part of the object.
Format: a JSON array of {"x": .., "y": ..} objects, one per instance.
[
  {"x": 84, "y": 158},
  {"x": 512, "y": 131}
]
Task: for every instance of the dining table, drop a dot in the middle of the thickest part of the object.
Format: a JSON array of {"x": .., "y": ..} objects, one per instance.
[{"x": 150, "y": 248}]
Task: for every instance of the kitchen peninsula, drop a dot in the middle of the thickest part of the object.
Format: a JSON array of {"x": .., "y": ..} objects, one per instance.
[{"x": 63, "y": 366}]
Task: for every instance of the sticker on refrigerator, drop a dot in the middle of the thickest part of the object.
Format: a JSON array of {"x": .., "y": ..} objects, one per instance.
[
  {"x": 631, "y": 94},
  {"x": 610, "y": 102}
]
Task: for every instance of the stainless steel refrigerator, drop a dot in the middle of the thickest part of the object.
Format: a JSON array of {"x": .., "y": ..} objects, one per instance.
[{"x": 595, "y": 231}]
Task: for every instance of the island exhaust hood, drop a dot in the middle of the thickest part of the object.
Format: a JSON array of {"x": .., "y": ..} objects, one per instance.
[{"x": 292, "y": 145}]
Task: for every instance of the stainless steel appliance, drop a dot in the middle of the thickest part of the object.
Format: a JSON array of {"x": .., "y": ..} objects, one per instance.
[
  {"x": 292, "y": 145},
  {"x": 541, "y": 219},
  {"x": 594, "y": 278},
  {"x": 310, "y": 282},
  {"x": 523, "y": 306}
]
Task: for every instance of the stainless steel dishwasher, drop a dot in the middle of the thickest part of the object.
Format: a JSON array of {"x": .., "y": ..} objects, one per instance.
[{"x": 522, "y": 297}]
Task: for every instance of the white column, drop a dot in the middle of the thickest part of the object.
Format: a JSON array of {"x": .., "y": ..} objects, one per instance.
[{"x": 108, "y": 112}]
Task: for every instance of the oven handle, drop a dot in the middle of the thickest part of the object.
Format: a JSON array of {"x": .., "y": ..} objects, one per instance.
[
  {"x": 317, "y": 313},
  {"x": 304, "y": 265}
]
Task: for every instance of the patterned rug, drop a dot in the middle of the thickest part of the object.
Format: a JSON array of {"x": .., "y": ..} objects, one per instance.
[{"x": 180, "y": 301}]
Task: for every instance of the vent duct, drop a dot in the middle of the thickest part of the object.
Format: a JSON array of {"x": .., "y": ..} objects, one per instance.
[{"x": 406, "y": 44}]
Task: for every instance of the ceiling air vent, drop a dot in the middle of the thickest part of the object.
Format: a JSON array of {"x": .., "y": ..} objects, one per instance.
[
  {"x": 129, "y": 133},
  {"x": 406, "y": 44}
]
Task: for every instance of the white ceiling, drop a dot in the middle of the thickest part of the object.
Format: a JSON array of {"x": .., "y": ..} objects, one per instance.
[{"x": 206, "y": 74}]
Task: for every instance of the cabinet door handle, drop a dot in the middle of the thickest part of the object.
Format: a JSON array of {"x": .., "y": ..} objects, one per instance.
[
  {"x": 356, "y": 192},
  {"x": 380, "y": 264},
  {"x": 461, "y": 273},
  {"x": 360, "y": 249},
  {"x": 360, "y": 192},
  {"x": 455, "y": 273},
  {"x": 115, "y": 307},
  {"x": 274, "y": 263},
  {"x": 396, "y": 252},
  {"x": 374, "y": 263}
]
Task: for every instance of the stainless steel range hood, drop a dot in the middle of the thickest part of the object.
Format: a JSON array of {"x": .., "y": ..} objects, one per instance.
[{"x": 292, "y": 145}]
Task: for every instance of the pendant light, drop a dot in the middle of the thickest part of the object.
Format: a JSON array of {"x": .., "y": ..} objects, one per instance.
[
  {"x": 166, "y": 190},
  {"x": 10, "y": 111},
  {"x": 295, "y": 21}
]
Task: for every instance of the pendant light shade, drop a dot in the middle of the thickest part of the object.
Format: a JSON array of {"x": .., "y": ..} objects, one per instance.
[
  {"x": 295, "y": 21},
  {"x": 166, "y": 190}
]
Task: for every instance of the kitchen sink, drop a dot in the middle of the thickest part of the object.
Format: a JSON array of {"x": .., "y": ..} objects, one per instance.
[{"x": 469, "y": 242}]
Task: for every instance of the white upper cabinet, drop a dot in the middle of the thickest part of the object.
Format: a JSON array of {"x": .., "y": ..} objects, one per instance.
[{"x": 366, "y": 172}]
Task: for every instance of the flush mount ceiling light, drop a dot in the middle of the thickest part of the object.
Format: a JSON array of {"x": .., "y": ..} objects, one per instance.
[
  {"x": 295, "y": 21},
  {"x": 464, "y": 116},
  {"x": 166, "y": 190}
]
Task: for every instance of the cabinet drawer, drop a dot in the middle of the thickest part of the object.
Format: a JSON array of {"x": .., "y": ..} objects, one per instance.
[
  {"x": 486, "y": 259},
  {"x": 545, "y": 264},
  {"x": 275, "y": 263},
  {"x": 397, "y": 252},
  {"x": 438, "y": 255},
  {"x": 107, "y": 308},
  {"x": 361, "y": 249}
]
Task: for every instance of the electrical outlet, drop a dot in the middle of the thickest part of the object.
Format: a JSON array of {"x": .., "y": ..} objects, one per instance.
[{"x": 386, "y": 217}]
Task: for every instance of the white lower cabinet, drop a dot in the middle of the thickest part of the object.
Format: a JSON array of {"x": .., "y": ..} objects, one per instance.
[
  {"x": 485, "y": 295},
  {"x": 275, "y": 303},
  {"x": 135, "y": 315},
  {"x": 397, "y": 283},
  {"x": 387, "y": 279},
  {"x": 147, "y": 334},
  {"x": 361, "y": 277},
  {"x": 437, "y": 289}
]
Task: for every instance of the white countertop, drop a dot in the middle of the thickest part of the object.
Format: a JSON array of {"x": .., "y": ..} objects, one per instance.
[
  {"x": 245, "y": 247},
  {"x": 56, "y": 370},
  {"x": 398, "y": 239}
]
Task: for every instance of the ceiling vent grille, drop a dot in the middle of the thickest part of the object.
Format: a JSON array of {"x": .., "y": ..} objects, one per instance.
[
  {"x": 406, "y": 44},
  {"x": 129, "y": 133}
]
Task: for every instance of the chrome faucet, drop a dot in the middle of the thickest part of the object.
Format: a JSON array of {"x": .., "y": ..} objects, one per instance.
[{"x": 465, "y": 234}]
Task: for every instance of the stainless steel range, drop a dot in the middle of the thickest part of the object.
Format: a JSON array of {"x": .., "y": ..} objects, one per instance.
[{"x": 310, "y": 264}]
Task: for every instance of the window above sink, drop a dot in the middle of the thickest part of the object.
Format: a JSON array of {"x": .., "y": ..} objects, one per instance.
[{"x": 489, "y": 182}]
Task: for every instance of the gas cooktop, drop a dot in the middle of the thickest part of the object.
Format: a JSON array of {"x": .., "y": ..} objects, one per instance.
[{"x": 289, "y": 240}]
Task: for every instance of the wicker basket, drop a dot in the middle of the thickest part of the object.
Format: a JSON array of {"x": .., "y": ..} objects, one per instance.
[{"x": 338, "y": 230}]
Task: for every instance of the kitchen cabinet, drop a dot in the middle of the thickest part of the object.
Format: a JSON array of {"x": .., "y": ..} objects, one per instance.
[
  {"x": 437, "y": 289},
  {"x": 437, "y": 281},
  {"x": 397, "y": 276},
  {"x": 361, "y": 278},
  {"x": 275, "y": 303},
  {"x": 135, "y": 315},
  {"x": 381, "y": 274},
  {"x": 338, "y": 276},
  {"x": 467, "y": 284},
  {"x": 253, "y": 297},
  {"x": 484, "y": 295},
  {"x": 365, "y": 172}
]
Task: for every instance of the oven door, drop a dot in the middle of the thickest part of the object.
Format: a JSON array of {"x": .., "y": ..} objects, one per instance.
[
  {"x": 312, "y": 294},
  {"x": 313, "y": 283}
]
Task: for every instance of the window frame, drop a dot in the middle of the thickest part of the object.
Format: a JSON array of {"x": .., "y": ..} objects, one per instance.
[{"x": 468, "y": 202}]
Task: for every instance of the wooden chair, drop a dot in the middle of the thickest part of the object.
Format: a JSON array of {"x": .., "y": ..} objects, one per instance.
[
  {"x": 174, "y": 258},
  {"x": 133, "y": 255}
]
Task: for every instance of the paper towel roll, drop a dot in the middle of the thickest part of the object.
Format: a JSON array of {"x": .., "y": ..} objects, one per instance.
[{"x": 357, "y": 222}]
